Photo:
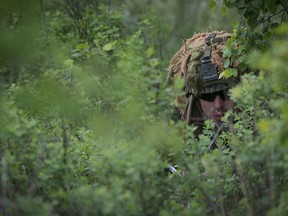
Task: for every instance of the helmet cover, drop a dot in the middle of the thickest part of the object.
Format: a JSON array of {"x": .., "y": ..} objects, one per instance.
[{"x": 199, "y": 62}]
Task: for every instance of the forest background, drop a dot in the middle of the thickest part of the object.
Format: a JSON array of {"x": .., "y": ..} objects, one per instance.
[{"x": 86, "y": 123}]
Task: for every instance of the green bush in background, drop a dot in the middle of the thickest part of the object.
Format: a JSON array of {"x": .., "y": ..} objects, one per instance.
[{"x": 86, "y": 124}]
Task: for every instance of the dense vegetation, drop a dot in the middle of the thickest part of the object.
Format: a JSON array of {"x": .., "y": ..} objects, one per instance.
[{"x": 86, "y": 126}]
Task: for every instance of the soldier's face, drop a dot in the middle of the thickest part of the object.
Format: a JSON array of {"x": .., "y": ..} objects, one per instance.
[{"x": 215, "y": 105}]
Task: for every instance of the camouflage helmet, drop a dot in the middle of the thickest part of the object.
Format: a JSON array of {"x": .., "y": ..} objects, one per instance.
[{"x": 199, "y": 62}]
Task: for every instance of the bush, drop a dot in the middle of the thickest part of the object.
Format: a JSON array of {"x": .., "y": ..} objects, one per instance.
[{"x": 87, "y": 130}]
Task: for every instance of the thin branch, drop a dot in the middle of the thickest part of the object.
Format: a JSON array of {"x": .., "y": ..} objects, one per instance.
[
  {"x": 184, "y": 41},
  {"x": 282, "y": 18},
  {"x": 215, "y": 136},
  {"x": 243, "y": 188},
  {"x": 269, "y": 17},
  {"x": 4, "y": 186},
  {"x": 65, "y": 138},
  {"x": 220, "y": 190},
  {"x": 4, "y": 178},
  {"x": 271, "y": 173},
  {"x": 160, "y": 50},
  {"x": 44, "y": 29},
  {"x": 284, "y": 6}
]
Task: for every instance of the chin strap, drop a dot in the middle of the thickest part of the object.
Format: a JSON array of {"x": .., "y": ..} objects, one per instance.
[
  {"x": 193, "y": 112},
  {"x": 188, "y": 110}
]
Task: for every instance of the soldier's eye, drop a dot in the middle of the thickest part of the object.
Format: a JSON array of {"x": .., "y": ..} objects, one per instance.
[
  {"x": 211, "y": 96},
  {"x": 208, "y": 97}
]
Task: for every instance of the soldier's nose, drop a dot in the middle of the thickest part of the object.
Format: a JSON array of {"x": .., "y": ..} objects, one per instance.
[{"x": 218, "y": 102}]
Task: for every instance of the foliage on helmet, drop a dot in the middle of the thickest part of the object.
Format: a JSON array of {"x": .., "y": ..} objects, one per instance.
[{"x": 186, "y": 63}]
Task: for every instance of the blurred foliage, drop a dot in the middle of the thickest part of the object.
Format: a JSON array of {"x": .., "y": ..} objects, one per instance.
[{"x": 86, "y": 126}]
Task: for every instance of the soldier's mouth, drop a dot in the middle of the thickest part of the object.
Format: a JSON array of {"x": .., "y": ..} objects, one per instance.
[{"x": 217, "y": 116}]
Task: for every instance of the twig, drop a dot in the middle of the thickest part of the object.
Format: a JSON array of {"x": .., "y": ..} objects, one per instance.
[
  {"x": 243, "y": 188},
  {"x": 216, "y": 135},
  {"x": 284, "y": 6},
  {"x": 4, "y": 186},
  {"x": 282, "y": 18},
  {"x": 4, "y": 177},
  {"x": 44, "y": 29},
  {"x": 269, "y": 17},
  {"x": 271, "y": 178},
  {"x": 184, "y": 41},
  {"x": 65, "y": 141},
  {"x": 208, "y": 198},
  {"x": 220, "y": 191},
  {"x": 160, "y": 50},
  {"x": 254, "y": 122}
]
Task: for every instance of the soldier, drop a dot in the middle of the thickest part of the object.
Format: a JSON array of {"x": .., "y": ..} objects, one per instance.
[
  {"x": 205, "y": 96},
  {"x": 199, "y": 63}
]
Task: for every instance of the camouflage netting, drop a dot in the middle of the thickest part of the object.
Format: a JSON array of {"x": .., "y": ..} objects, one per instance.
[{"x": 186, "y": 62}]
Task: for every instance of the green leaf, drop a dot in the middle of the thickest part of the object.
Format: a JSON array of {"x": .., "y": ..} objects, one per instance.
[
  {"x": 150, "y": 51},
  {"x": 240, "y": 58},
  {"x": 272, "y": 7},
  {"x": 154, "y": 62},
  {"x": 82, "y": 46},
  {"x": 223, "y": 11},
  {"x": 226, "y": 73},
  {"x": 221, "y": 75},
  {"x": 96, "y": 42},
  {"x": 234, "y": 72},
  {"x": 68, "y": 63},
  {"x": 240, "y": 3},
  {"x": 253, "y": 23},
  {"x": 109, "y": 46},
  {"x": 212, "y": 5},
  {"x": 76, "y": 55},
  {"x": 229, "y": 43},
  {"x": 226, "y": 63},
  {"x": 242, "y": 66},
  {"x": 235, "y": 24},
  {"x": 264, "y": 125},
  {"x": 235, "y": 51},
  {"x": 229, "y": 4},
  {"x": 257, "y": 3},
  {"x": 226, "y": 53}
]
